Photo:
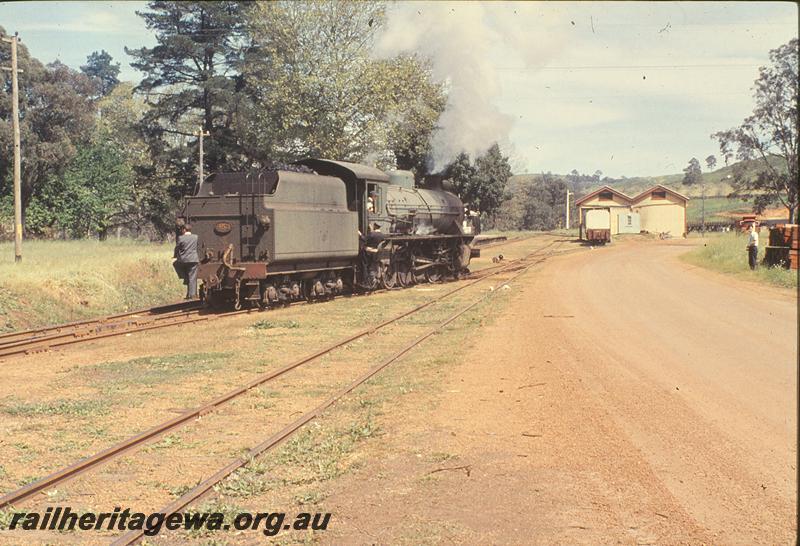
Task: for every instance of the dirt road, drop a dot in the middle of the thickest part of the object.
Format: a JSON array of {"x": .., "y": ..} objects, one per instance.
[{"x": 623, "y": 397}]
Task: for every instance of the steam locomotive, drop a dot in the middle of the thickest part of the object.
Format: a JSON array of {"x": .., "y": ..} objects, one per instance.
[{"x": 271, "y": 237}]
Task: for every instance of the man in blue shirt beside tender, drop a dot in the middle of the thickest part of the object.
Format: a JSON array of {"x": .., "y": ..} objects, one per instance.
[{"x": 186, "y": 260}]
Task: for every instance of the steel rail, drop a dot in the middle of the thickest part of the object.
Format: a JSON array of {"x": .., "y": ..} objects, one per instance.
[
  {"x": 506, "y": 242},
  {"x": 30, "y": 334},
  {"x": 9, "y": 337},
  {"x": 207, "y": 485},
  {"x": 67, "y": 473},
  {"x": 58, "y": 336},
  {"x": 97, "y": 328},
  {"x": 41, "y": 345}
]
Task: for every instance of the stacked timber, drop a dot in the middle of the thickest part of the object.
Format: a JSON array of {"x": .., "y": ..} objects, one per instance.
[{"x": 784, "y": 243}]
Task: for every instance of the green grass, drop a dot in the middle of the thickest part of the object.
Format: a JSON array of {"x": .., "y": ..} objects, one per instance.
[
  {"x": 72, "y": 408},
  {"x": 269, "y": 324},
  {"x": 318, "y": 453},
  {"x": 714, "y": 206},
  {"x": 60, "y": 281},
  {"x": 151, "y": 370},
  {"x": 247, "y": 481},
  {"x": 725, "y": 252}
]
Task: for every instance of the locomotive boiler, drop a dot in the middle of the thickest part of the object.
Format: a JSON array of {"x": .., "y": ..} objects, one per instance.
[{"x": 271, "y": 237}]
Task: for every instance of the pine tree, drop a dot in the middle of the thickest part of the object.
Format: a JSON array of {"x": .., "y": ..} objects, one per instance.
[
  {"x": 102, "y": 72},
  {"x": 192, "y": 79}
]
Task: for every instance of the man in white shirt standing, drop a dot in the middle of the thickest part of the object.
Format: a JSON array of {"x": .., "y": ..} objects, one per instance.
[{"x": 752, "y": 246}]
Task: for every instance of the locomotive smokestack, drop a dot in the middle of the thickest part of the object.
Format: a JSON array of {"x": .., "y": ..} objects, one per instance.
[
  {"x": 433, "y": 181},
  {"x": 438, "y": 182}
]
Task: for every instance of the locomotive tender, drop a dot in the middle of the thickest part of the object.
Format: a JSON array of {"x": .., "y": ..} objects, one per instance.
[{"x": 271, "y": 237}]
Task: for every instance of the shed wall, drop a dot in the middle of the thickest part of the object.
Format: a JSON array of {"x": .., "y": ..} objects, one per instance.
[
  {"x": 662, "y": 215},
  {"x": 617, "y": 206}
]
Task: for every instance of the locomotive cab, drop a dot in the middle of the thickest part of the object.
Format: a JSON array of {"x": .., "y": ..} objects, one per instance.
[{"x": 361, "y": 182}]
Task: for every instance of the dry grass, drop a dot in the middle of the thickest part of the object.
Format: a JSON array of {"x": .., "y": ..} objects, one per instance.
[{"x": 308, "y": 467}]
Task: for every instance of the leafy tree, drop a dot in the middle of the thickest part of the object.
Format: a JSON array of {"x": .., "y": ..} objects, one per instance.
[
  {"x": 580, "y": 182},
  {"x": 315, "y": 89},
  {"x": 102, "y": 71},
  {"x": 545, "y": 203},
  {"x": 493, "y": 172},
  {"x": 575, "y": 179},
  {"x": 56, "y": 118},
  {"x": 768, "y": 137},
  {"x": 415, "y": 119},
  {"x": 711, "y": 162},
  {"x": 692, "y": 173},
  {"x": 94, "y": 193},
  {"x": 481, "y": 186},
  {"x": 464, "y": 176},
  {"x": 192, "y": 80},
  {"x": 150, "y": 202}
]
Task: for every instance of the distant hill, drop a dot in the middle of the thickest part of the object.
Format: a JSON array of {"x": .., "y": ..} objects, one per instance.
[{"x": 717, "y": 182}]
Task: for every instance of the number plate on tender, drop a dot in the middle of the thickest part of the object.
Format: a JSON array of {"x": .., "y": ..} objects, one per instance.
[{"x": 222, "y": 228}]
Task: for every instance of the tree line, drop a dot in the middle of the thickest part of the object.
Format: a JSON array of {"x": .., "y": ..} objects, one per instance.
[
  {"x": 765, "y": 144},
  {"x": 270, "y": 82}
]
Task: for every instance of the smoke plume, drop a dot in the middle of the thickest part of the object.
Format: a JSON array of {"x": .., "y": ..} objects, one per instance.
[{"x": 466, "y": 41}]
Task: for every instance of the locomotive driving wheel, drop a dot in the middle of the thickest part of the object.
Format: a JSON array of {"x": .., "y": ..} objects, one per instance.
[
  {"x": 405, "y": 270},
  {"x": 405, "y": 276},
  {"x": 389, "y": 276},
  {"x": 433, "y": 274}
]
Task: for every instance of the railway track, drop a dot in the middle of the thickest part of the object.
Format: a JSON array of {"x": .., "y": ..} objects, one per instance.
[
  {"x": 207, "y": 485},
  {"x": 504, "y": 242},
  {"x": 14, "y": 498},
  {"x": 44, "y": 339}
]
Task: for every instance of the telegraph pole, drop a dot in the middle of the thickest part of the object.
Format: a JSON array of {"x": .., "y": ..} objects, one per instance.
[
  {"x": 200, "y": 134},
  {"x": 566, "y": 223},
  {"x": 703, "y": 214},
  {"x": 17, "y": 160}
]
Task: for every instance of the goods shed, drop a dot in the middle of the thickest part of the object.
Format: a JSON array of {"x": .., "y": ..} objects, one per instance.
[
  {"x": 606, "y": 212},
  {"x": 602, "y": 210},
  {"x": 661, "y": 210}
]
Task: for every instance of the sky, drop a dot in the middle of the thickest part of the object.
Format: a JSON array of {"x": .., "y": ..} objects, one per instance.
[{"x": 629, "y": 88}]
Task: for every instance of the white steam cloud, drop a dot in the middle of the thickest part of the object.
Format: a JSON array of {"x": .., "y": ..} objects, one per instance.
[{"x": 466, "y": 42}]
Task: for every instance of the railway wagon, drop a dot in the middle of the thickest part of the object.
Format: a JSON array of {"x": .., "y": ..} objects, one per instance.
[
  {"x": 596, "y": 225},
  {"x": 271, "y": 237}
]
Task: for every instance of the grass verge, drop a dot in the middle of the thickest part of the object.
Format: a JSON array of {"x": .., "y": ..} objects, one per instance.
[
  {"x": 725, "y": 252},
  {"x": 62, "y": 281}
]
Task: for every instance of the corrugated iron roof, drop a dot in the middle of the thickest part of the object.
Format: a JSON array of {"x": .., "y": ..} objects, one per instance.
[
  {"x": 659, "y": 187},
  {"x": 631, "y": 200},
  {"x": 601, "y": 189}
]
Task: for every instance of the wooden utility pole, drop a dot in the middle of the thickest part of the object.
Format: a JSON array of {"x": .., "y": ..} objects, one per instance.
[
  {"x": 566, "y": 223},
  {"x": 200, "y": 134},
  {"x": 703, "y": 214},
  {"x": 17, "y": 160}
]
